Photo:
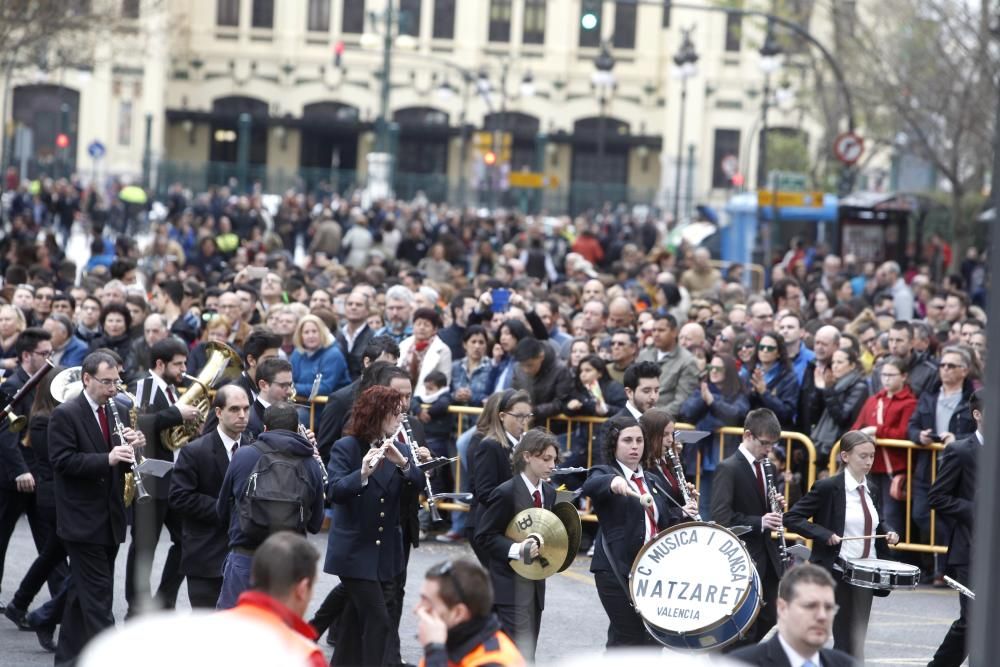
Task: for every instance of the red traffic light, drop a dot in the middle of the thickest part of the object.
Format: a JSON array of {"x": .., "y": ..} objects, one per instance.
[
  {"x": 490, "y": 158},
  {"x": 62, "y": 140},
  {"x": 338, "y": 48}
]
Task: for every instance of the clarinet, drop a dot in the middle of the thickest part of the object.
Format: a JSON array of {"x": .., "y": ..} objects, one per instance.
[
  {"x": 777, "y": 509},
  {"x": 431, "y": 502},
  {"x": 141, "y": 495},
  {"x": 675, "y": 462},
  {"x": 322, "y": 468}
]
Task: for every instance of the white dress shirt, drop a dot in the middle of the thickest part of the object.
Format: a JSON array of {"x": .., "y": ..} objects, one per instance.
[
  {"x": 854, "y": 519},
  {"x": 656, "y": 513},
  {"x": 633, "y": 410},
  {"x": 796, "y": 660},
  {"x": 227, "y": 442}
]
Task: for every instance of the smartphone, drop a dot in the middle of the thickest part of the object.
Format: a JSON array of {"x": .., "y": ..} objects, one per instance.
[{"x": 501, "y": 299}]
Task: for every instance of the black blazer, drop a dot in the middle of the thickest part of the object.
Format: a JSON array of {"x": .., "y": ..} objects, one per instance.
[
  {"x": 365, "y": 540},
  {"x": 825, "y": 504},
  {"x": 622, "y": 519},
  {"x": 504, "y": 503},
  {"x": 194, "y": 490},
  {"x": 953, "y": 494},
  {"x": 156, "y": 413},
  {"x": 89, "y": 503},
  {"x": 489, "y": 467},
  {"x": 14, "y": 459},
  {"x": 353, "y": 357},
  {"x": 770, "y": 654},
  {"x": 334, "y": 417},
  {"x": 41, "y": 467},
  {"x": 736, "y": 501}
]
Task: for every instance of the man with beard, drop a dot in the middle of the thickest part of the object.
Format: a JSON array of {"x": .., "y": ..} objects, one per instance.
[{"x": 156, "y": 400}]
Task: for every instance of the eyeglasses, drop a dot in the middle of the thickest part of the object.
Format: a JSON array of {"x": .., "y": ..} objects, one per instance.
[
  {"x": 108, "y": 382},
  {"x": 889, "y": 376},
  {"x": 716, "y": 368},
  {"x": 767, "y": 348},
  {"x": 43, "y": 355},
  {"x": 816, "y": 605},
  {"x": 282, "y": 385},
  {"x": 950, "y": 366},
  {"x": 619, "y": 343},
  {"x": 521, "y": 417},
  {"x": 766, "y": 443},
  {"x": 445, "y": 569},
  {"x": 747, "y": 346}
]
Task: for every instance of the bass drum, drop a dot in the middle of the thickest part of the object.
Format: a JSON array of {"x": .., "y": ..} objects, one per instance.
[{"x": 695, "y": 587}]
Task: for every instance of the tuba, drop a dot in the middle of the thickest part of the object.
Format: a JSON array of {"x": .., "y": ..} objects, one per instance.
[{"x": 223, "y": 365}]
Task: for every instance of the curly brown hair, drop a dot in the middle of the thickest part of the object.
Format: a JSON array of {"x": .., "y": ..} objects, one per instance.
[{"x": 370, "y": 410}]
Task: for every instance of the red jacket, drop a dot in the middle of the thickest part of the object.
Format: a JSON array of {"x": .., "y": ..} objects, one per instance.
[
  {"x": 589, "y": 247},
  {"x": 896, "y": 411}
]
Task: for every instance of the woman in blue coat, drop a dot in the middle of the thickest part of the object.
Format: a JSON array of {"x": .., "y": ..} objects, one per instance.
[
  {"x": 722, "y": 401},
  {"x": 315, "y": 353},
  {"x": 368, "y": 473},
  {"x": 773, "y": 383}
]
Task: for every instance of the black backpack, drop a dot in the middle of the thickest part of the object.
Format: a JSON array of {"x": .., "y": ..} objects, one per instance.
[{"x": 278, "y": 494}]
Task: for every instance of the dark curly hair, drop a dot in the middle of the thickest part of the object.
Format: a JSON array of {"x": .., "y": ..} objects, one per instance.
[
  {"x": 614, "y": 427},
  {"x": 370, "y": 410}
]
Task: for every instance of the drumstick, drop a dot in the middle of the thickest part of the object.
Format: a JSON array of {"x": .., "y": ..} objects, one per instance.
[
  {"x": 864, "y": 537},
  {"x": 644, "y": 498}
]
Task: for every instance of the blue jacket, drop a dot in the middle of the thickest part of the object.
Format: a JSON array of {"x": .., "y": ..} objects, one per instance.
[
  {"x": 365, "y": 540},
  {"x": 234, "y": 484},
  {"x": 724, "y": 411},
  {"x": 73, "y": 354},
  {"x": 329, "y": 361},
  {"x": 781, "y": 397}
]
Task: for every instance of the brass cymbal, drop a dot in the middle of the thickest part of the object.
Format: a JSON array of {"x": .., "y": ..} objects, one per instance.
[
  {"x": 549, "y": 528},
  {"x": 570, "y": 518}
]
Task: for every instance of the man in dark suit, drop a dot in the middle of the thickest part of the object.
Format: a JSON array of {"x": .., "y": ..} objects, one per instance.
[
  {"x": 274, "y": 385},
  {"x": 519, "y": 601},
  {"x": 194, "y": 492},
  {"x": 806, "y": 609},
  {"x": 17, "y": 484},
  {"x": 156, "y": 401},
  {"x": 354, "y": 336},
  {"x": 260, "y": 346},
  {"x": 739, "y": 498},
  {"x": 953, "y": 495},
  {"x": 89, "y": 465}
]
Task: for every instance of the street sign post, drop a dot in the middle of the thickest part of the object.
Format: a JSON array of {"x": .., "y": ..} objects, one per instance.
[
  {"x": 96, "y": 150},
  {"x": 785, "y": 199}
]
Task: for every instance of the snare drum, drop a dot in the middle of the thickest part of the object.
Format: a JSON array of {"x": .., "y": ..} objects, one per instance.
[
  {"x": 885, "y": 575},
  {"x": 695, "y": 587}
]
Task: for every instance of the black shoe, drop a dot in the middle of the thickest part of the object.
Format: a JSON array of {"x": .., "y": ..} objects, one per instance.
[
  {"x": 45, "y": 638},
  {"x": 17, "y": 616}
]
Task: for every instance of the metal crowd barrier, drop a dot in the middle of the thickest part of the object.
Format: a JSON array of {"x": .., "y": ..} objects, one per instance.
[{"x": 906, "y": 542}]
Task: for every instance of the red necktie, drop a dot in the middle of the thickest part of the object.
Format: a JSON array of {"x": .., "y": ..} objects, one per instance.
[
  {"x": 760, "y": 481},
  {"x": 102, "y": 416},
  {"x": 170, "y": 394},
  {"x": 649, "y": 510},
  {"x": 868, "y": 521},
  {"x": 538, "y": 498}
]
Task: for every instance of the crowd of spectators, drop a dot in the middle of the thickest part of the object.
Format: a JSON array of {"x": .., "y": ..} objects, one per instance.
[{"x": 558, "y": 307}]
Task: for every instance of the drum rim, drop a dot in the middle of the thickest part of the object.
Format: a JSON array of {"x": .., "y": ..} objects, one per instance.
[
  {"x": 863, "y": 564},
  {"x": 715, "y": 624}
]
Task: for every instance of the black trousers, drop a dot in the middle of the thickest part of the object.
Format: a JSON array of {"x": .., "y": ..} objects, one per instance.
[
  {"x": 12, "y": 505},
  {"x": 954, "y": 649},
  {"x": 89, "y": 599},
  {"x": 148, "y": 521},
  {"x": 364, "y": 632},
  {"x": 49, "y": 566},
  {"x": 330, "y": 610},
  {"x": 625, "y": 627},
  {"x": 522, "y": 623},
  {"x": 203, "y": 592},
  {"x": 481, "y": 554},
  {"x": 850, "y": 625}
]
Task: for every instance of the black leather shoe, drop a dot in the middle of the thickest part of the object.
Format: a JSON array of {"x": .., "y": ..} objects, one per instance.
[
  {"x": 45, "y": 638},
  {"x": 17, "y": 616}
]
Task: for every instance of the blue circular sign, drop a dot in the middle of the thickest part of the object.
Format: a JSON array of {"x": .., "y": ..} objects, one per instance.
[{"x": 96, "y": 149}]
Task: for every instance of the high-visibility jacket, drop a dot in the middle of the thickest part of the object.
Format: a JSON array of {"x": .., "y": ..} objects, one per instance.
[
  {"x": 295, "y": 633},
  {"x": 497, "y": 649}
]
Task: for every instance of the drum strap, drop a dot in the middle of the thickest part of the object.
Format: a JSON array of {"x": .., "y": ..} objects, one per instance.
[{"x": 614, "y": 569}]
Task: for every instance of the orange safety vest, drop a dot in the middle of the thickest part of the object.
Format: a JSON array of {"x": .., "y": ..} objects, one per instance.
[
  {"x": 297, "y": 643},
  {"x": 497, "y": 650}
]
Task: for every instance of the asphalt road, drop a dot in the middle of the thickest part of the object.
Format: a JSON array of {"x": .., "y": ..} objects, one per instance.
[{"x": 905, "y": 629}]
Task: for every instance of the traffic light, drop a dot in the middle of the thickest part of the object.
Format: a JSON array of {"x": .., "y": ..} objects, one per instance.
[
  {"x": 590, "y": 14},
  {"x": 338, "y": 51},
  {"x": 62, "y": 140},
  {"x": 490, "y": 158}
]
